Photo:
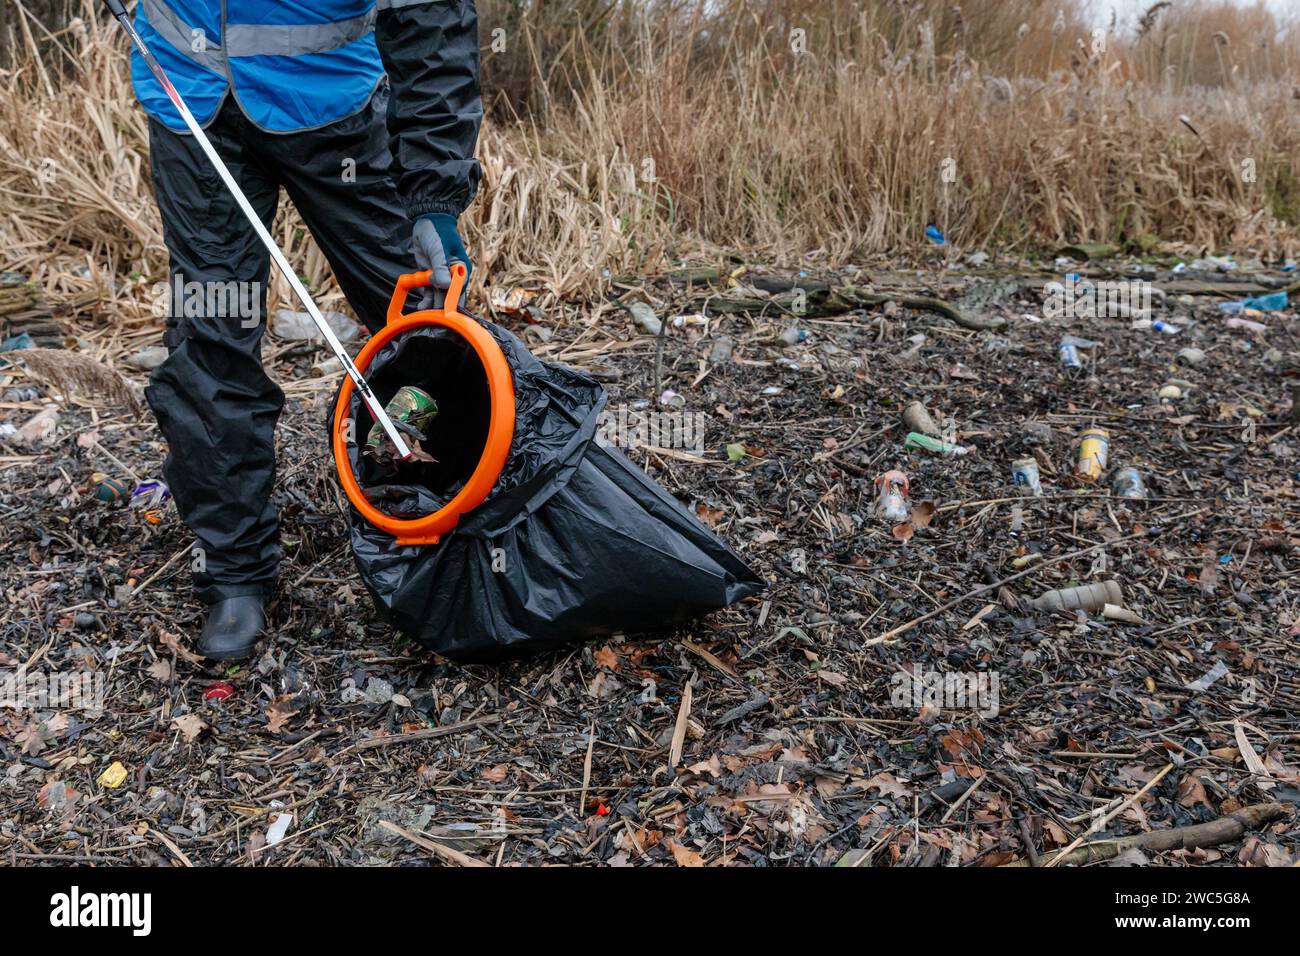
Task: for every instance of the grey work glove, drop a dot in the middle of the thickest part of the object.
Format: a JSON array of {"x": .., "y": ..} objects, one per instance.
[{"x": 436, "y": 245}]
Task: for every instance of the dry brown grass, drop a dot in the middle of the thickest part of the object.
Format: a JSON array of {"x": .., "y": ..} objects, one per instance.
[
  {"x": 621, "y": 141},
  {"x": 75, "y": 375},
  {"x": 1214, "y": 43}
]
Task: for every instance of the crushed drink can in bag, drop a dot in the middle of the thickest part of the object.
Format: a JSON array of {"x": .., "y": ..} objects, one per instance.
[
  {"x": 891, "y": 496},
  {"x": 412, "y": 411},
  {"x": 1024, "y": 474},
  {"x": 1094, "y": 452},
  {"x": 1128, "y": 483}
]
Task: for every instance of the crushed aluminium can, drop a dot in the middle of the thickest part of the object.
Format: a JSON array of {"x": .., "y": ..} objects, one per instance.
[
  {"x": 1128, "y": 483},
  {"x": 1069, "y": 349},
  {"x": 1094, "y": 452},
  {"x": 412, "y": 406},
  {"x": 1069, "y": 352},
  {"x": 891, "y": 496},
  {"x": 1024, "y": 474}
]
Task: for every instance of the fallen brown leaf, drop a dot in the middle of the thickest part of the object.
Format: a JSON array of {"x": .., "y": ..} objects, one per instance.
[
  {"x": 190, "y": 726},
  {"x": 279, "y": 712},
  {"x": 685, "y": 856},
  {"x": 922, "y": 515},
  {"x": 174, "y": 643},
  {"x": 607, "y": 657}
]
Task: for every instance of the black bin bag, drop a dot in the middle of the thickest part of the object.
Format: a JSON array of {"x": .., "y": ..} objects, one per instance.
[{"x": 572, "y": 542}]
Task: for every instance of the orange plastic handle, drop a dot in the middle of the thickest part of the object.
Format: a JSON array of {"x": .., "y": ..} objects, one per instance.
[
  {"x": 501, "y": 425},
  {"x": 416, "y": 280}
]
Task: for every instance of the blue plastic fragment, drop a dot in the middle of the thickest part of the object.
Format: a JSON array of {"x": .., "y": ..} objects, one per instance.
[{"x": 1274, "y": 302}]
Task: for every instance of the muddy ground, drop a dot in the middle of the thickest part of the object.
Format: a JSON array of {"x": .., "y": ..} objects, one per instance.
[{"x": 803, "y": 743}]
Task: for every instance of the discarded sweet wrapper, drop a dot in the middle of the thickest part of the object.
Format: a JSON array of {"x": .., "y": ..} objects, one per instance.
[
  {"x": 150, "y": 494},
  {"x": 412, "y": 411},
  {"x": 517, "y": 301},
  {"x": 113, "y": 776},
  {"x": 279, "y": 826},
  {"x": 512, "y": 300}
]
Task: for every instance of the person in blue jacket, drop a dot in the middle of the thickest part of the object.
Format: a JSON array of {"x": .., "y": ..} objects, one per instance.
[{"x": 367, "y": 115}]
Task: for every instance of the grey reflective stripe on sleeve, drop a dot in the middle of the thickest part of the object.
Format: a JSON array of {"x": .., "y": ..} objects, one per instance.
[
  {"x": 181, "y": 35},
  {"x": 398, "y": 4},
  {"x": 256, "y": 39}
]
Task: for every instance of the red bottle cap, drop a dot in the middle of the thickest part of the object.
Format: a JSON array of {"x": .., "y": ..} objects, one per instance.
[{"x": 219, "y": 690}]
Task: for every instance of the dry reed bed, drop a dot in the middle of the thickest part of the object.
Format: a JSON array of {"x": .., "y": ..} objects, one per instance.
[{"x": 676, "y": 146}]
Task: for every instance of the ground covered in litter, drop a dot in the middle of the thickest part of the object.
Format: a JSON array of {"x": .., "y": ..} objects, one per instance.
[{"x": 892, "y": 699}]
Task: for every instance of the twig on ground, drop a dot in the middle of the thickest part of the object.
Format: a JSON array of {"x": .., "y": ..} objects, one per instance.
[{"x": 1216, "y": 832}]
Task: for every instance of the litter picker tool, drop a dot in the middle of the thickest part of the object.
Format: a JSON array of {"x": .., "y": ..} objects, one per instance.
[{"x": 377, "y": 411}]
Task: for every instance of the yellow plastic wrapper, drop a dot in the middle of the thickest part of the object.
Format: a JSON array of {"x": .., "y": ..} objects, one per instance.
[{"x": 114, "y": 776}]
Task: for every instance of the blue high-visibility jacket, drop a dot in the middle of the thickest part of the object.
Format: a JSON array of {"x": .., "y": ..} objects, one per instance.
[{"x": 294, "y": 65}]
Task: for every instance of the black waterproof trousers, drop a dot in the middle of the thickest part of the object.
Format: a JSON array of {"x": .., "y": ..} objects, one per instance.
[{"x": 214, "y": 402}]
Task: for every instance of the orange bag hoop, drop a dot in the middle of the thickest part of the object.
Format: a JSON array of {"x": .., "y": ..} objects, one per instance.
[{"x": 501, "y": 425}]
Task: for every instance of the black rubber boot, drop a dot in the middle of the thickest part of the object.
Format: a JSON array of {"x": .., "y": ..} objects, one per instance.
[{"x": 232, "y": 628}]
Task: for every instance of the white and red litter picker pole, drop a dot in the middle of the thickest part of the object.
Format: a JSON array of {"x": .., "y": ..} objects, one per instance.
[{"x": 376, "y": 410}]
